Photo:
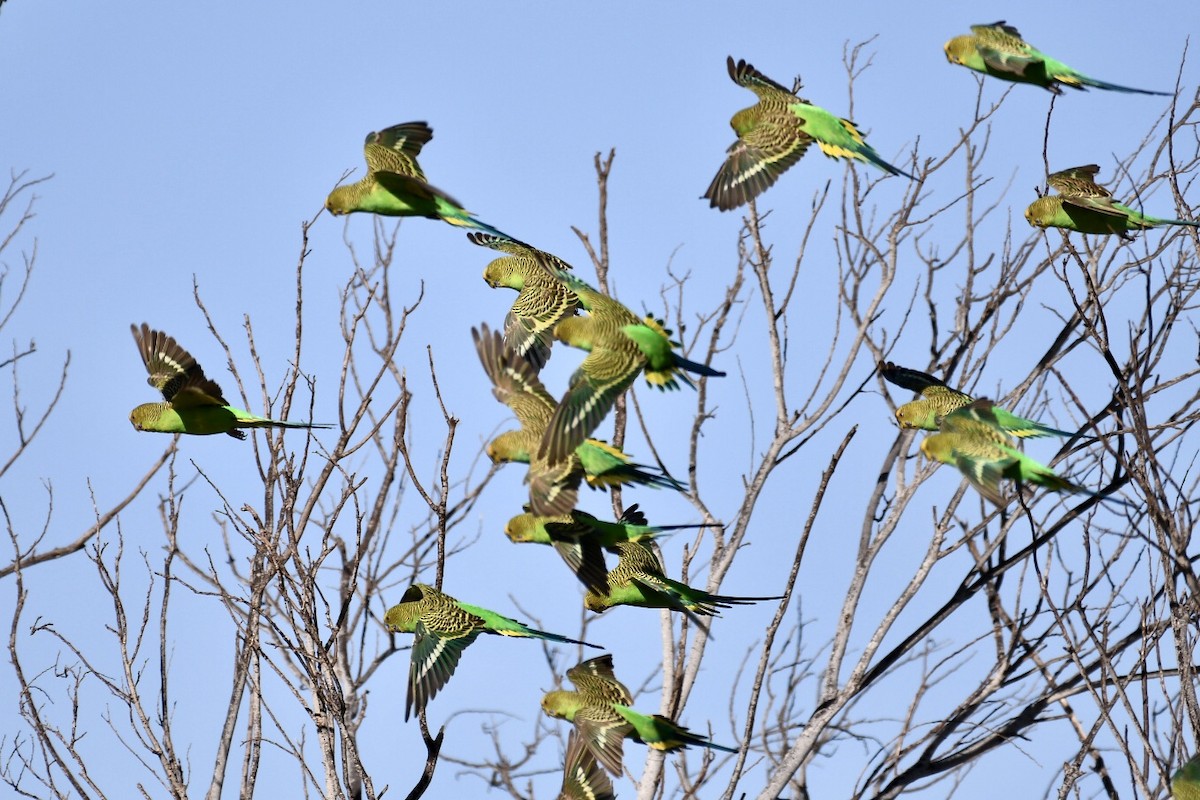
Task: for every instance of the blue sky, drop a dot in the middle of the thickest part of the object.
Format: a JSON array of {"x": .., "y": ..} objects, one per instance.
[{"x": 188, "y": 142}]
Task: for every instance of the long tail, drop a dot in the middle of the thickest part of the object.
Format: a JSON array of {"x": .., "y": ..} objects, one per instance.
[
  {"x": 633, "y": 475},
  {"x": 1158, "y": 221},
  {"x": 465, "y": 220},
  {"x": 859, "y": 150},
  {"x": 864, "y": 152},
  {"x": 259, "y": 422},
  {"x": 661, "y": 733},
  {"x": 669, "y": 378},
  {"x": 1113, "y": 87}
]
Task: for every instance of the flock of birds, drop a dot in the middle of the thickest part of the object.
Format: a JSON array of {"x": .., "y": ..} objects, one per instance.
[{"x": 555, "y": 436}]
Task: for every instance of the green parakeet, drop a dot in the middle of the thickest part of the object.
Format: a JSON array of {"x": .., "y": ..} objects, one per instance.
[
  {"x": 599, "y": 709},
  {"x": 774, "y": 133},
  {"x": 580, "y": 537},
  {"x": 1083, "y": 205},
  {"x": 193, "y": 403},
  {"x": 971, "y": 441},
  {"x": 554, "y": 488},
  {"x": 1185, "y": 783},
  {"x": 582, "y": 777},
  {"x": 938, "y": 400},
  {"x": 639, "y": 580},
  {"x": 444, "y": 627},
  {"x": 542, "y": 298},
  {"x": 395, "y": 186},
  {"x": 998, "y": 50},
  {"x": 619, "y": 347}
]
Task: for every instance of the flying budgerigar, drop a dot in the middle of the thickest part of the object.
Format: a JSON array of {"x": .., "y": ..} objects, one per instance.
[
  {"x": 192, "y": 402},
  {"x": 937, "y": 400},
  {"x": 444, "y": 627},
  {"x": 395, "y": 186},
  {"x": 554, "y": 488},
  {"x": 1083, "y": 205},
  {"x": 582, "y": 777},
  {"x": 599, "y": 709},
  {"x": 619, "y": 347},
  {"x": 639, "y": 580},
  {"x": 774, "y": 133},
  {"x": 580, "y": 537},
  {"x": 542, "y": 298},
  {"x": 1185, "y": 783},
  {"x": 970, "y": 440},
  {"x": 998, "y": 50}
]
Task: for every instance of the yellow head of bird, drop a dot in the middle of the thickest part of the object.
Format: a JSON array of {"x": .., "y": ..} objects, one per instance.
[{"x": 958, "y": 48}]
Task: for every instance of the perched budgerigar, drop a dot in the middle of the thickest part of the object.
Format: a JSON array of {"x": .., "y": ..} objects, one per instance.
[
  {"x": 937, "y": 400},
  {"x": 599, "y": 709},
  {"x": 444, "y": 627},
  {"x": 998, "y": 50},
  {"x": 970, "y": 440},
  {"x": 554, "y": 487},
  {"x": 619, "y": 347},
  {"x": 582, "y": 777},
  {"x": 192, "y": 402},
  {"x": 1185, "y": 783},
  {"x": 774, "y": 133},
  {"x": 1083, "y": 205},
  {"x": 395, "y": 186},
  {"x": 639, "y": 580},
  {"x": 580, "y": 537},
  {"x": 542, "y": 298}
]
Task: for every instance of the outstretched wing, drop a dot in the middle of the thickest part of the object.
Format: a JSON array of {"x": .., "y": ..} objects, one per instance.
[{"x": 174, "y": 372}]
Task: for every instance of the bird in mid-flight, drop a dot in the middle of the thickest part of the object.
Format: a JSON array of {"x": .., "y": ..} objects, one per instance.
[
  {"x": 191, "y": 402},
  {"x": 1083, "y": 205},
  {"x": 998, "y": 50},
  {"x": 774, "y": 133}
]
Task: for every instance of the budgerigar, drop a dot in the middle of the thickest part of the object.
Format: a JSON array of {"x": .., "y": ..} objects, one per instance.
[
  {"x": 580, "y": 537},
  {"x": 639, "y": 580},
  {"x": 395, "y": 186},
  {"x": 1083, "y": 205},
  {"x": 599, "y": 709},
  {"x": 938, "y": 400},
  {"x": 998, "y": 50},
  {"x": 774, "y": 133},
  {"x": 620, "y": 346},
  {"x": 444, "y": 627},
  {"x": 192, "y": 403},
  {"x": 542, "y": 298},
  {"x": 970, "y": 440},
  {"x": 554, "y": 487}
]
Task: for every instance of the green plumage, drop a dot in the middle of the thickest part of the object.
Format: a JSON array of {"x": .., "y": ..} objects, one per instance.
[
  {"x": 580, "y": 539},
  {"x": 444, "y": 627},
  {"x": 599, "y": 709},
  {"x": 619, "y": 346},
  {"x": 639, "y": 580},
  {"x": 542, "y": 298},
  {"x": 938, "y": 400},
  {"x": 1083, "y": 205},
  {"x": 1185, "y": 783},
  {"x": 395, "y": 185},
  {"x": 774, "y": 133},
  {"x": 554, "y": 487},
  {"x": 192, "y": 403},
  {"x": 998, "y": 50},
  {"x": 971, "y": 441}
]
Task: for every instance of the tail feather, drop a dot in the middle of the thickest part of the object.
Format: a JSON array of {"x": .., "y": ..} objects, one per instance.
[
  {"x": 1086, "y": 81},
  {"x": 465, "y": 220}
]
